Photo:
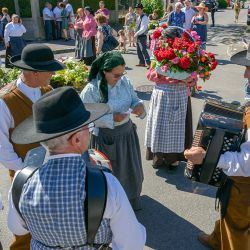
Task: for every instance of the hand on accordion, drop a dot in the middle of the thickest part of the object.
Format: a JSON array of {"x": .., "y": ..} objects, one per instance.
[{"x": 195, "y": 154}]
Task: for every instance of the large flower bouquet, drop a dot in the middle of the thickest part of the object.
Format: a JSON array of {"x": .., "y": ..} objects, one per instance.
[{"x": 180, "y": 57}]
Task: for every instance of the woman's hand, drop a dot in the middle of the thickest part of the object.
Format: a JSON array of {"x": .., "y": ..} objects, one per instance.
[
  {"x": 195, "y": 155},
  {"x": 119, "y": 117},
  {"x": 138, "y": 110}
]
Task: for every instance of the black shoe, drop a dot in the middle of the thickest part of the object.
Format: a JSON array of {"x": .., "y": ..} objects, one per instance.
[{"x": 157, "y": 166}]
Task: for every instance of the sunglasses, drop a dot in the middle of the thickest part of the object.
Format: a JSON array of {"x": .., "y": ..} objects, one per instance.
[
  {"x": 90, "y": 127},
  {"x": 118, "y": 75}
]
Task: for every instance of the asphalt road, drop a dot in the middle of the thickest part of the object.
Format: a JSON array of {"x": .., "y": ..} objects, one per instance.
[{"x": 174, "y": 208}]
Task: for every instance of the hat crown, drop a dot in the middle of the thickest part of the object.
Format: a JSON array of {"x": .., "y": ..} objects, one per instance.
[
  {"x": 37, "y": 54},
  {"x": 139, "y": 5},
  {"x": 58, "y": 110}
]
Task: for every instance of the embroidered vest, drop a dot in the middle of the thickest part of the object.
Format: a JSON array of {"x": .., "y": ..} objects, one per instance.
[{"x": 20, "y": 107}]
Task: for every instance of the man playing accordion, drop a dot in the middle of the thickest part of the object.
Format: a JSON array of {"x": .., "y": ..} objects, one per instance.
[{"x": 232, "y": 231}]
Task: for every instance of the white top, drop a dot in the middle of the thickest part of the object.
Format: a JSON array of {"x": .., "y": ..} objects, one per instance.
[
  {"x": 57, "y": 13},
  {"x": 69, "y": 9},
  {"x": 48, "y": 14},
  {"x": 127, "y": 232},
  {"x": 8, "y": 157},
  {"x": 237, "y": 163},
  {"x": 13, "y": 29},
  {"x": 144, "y": 25},
  {"x": 189, "y": 13}
]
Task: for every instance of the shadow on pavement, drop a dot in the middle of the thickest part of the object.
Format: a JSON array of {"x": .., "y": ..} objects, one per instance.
[
  {"x": 144, "y": 92},
  {"x": 177, "y": 178},
  {"x": 207, "y": 95},
  {"x": 224, "y": 62},
  {"x": 165, "y": 229}
]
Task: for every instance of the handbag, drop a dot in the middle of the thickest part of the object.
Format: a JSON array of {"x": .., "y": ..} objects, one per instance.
[{"x": 109, "y": 42}]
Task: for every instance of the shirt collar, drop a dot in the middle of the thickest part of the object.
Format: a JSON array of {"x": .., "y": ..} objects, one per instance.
[
  {"x": 51, "y": 157},
  {"x": 21, "y": 85}
]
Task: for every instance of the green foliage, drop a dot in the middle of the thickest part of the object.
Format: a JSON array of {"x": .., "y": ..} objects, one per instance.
[
  {"x": 76, "y": 75},
  {"x": 8, "y": 4},
  {"x": 150, "y": 5},
  {"x": 25, "y": 8},
  {"x": 222, "y": 4},
  {"x": 8, "y": 75}
]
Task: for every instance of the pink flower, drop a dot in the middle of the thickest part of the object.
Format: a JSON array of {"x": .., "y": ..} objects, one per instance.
[
  {"x": 202, "y": 52},
  {"x": 175, "y": 60},
  {"x": 193, "y": 33},
  {"x": 194, "y": 75},
  {"x": 200, "y": 68},
  {"x": 164, "y": 68},
  {"x": 197, "y": 38}
]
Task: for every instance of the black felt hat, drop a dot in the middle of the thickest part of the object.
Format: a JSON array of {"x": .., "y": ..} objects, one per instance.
[
  {"x": 242, "y": 57},
  {"x": 138, "y": 6},
  {"x": 57, "y": 113},
  {"x": 37, "y": 57}
]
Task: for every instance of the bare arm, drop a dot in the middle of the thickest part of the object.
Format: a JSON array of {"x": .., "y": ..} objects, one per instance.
[{"x": 100, "y": 38}]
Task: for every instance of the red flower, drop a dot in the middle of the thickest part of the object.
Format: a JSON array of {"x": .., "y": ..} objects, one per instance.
[
  {"x": 156, "y": 34},
  {"x": 169, "y": 54},
  {"x": 214, "y": 64},
  {"x": 184, "y": 63},
  {"x": 164, "y": 25},
  {"x": 191, "y": 48},
  {"x": 211, "y": 55}
]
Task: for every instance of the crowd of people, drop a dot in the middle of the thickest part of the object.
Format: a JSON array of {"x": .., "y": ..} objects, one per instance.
[{"x": 52, "y": 201}]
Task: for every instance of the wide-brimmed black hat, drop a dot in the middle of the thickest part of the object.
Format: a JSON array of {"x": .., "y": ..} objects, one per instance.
[
  {"x": 56, "y": 113},
  {"x": 242, "y": 57},
  {"x": 37, "y": 57},
  {"x": 138, "y": 6}
]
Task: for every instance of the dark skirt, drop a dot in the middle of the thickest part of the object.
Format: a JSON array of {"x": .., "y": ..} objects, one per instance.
[
  {"x": 121, "y": 146},
  {"x": 78, "y": 44},
  {"x": 88, "y": 50},
  {"x": 160, "y": 158},
  {"x": 16, "y": 47}
]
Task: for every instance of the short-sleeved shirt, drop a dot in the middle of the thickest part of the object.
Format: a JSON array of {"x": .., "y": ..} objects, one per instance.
[
  {"x": 104, "y": 11},
  {"x": 176, "y": 19}
]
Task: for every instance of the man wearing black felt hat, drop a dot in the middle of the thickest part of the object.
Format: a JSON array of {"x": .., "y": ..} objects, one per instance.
[
  {"x": 16, "y": 99},
  {"x": 52, "y": 202},
  {"x": 232, "y": 231}
]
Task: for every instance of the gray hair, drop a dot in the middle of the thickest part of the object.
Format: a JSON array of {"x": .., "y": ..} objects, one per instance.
[{"x": 178, "y": 4}]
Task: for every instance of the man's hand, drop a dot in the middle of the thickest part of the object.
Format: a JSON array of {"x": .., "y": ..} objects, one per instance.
[
  {"x": 138, "y": 110},
  {"x": 195, "y": 154},
  {"x": 119, "y": 117}
]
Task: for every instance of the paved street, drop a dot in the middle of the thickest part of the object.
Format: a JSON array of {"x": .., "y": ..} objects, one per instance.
[{"x": 174, "y": 208}]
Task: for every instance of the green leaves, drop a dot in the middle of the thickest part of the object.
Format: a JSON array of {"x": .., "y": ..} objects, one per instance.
[{"x": 8, "y": 75}]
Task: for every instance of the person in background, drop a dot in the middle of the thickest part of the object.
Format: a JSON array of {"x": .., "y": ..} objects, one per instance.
[
  {"x": 115, "y": 134},
  {"x": 122, "y": 41},
  {"x": 212, "y": 10},
  {"x": 102, "y": 30},
  {"x": 57, "y": 11},
  {"x": 88, "y": 36},
  {"x": 130, "y": 21},
  {"x": 16, "y": 99},
  {"x": 13, "y": 38},
  {"x": 154, "y": 16},
  {"x": 48, "y": 18},
  {"x": 200, "y": 21},
  {"x": 71, "y": 19},
  {"x": 237, "y": 7},
  {"x": 79, "y": 30},
  {"x": 64, "y": 16},
  {"x": 4, "y": 20},
  {"x": 167, "y": 12},
  {"x": 177, "y": 17},
  {"x": 141, "y": 36},
  {"x": 103, "y": 10},
  {"x": 189, "y": 14}
]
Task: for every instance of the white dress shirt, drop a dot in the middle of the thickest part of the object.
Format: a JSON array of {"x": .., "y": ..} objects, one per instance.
[
  {"x": 144, "y": 25},
  {"x": 69, "y": 9},
  {"x": 57, "y": 14},
  {"x": 13, "y": 29},
  {"x": 127, "y": 232},
  {"x": 8, "y": 157},
  {"x": 47, "y": 14},
  {"x": 237, "y": 163},
  {"x": 189, "y": 13}
]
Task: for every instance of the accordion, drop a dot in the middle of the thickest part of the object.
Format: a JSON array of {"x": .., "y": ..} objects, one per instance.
[{"x": 220, "y": 128}]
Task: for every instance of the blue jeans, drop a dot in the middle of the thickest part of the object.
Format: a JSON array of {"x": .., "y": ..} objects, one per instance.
[
  {"x": 247, "y": 90},
  {"x": 142, "y": 50}
]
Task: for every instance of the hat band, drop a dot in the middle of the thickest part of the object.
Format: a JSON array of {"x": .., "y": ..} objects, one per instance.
[
  {"x": 44, "y": 63},
  {"x": 63, "y": 123}
]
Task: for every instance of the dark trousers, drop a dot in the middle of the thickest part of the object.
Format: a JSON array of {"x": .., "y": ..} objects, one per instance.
[
  {"x": 212, "y": 17},
  {"x": 142, "y": 52},
  {"x": 58, "y": 30},
  {"x": 48, "y": 30}
]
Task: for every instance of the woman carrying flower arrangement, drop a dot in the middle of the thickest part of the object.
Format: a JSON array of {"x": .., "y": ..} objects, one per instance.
[{"x": 174, "y": 68}]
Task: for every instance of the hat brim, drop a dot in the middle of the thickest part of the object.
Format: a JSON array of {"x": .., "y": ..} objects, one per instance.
[
  {"x": 199, "y": 7},
  {"x": 240, "y": 58},
  {"x": 25, "y": 132},
  {"x": 50, "y": 66}
]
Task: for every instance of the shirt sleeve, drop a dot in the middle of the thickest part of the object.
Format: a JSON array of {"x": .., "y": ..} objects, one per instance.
[
  {"x": 90, "y": 94},
  {"x": 23, "y": 29},
  {"x": 143, "y": 27},
  {"x": 15, "y": 223},
  {"x": 7, "y": 34},
  {"x": 127, "y": 232},
  {"x": 8, "y": 157},
  {"x": 237, "y": 163}
]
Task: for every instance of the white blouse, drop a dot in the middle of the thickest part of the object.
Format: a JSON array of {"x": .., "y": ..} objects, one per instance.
[{"x": 13, "y": 29}]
